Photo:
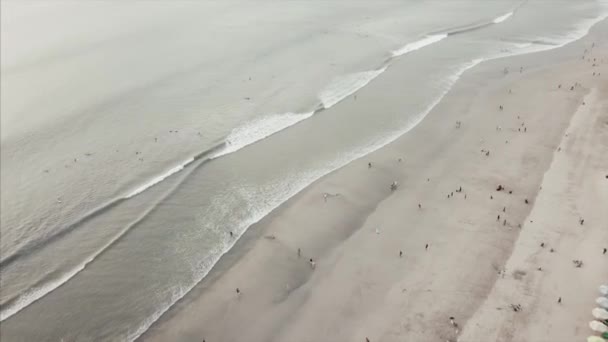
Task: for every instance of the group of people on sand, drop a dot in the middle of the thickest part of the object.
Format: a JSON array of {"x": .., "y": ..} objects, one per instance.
[{"x": 500, "y": 216}]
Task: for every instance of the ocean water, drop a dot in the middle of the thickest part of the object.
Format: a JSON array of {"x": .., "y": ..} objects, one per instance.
[{"x": 136, "y": 135}]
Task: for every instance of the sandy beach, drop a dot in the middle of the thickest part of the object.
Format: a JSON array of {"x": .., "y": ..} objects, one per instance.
[
  {"x": 396, "y": 265},
  {"x": 324, "y": 170}
]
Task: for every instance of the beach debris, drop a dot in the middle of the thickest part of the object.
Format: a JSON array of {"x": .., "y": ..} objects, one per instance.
[
  {"x": 540, "y": 268},
  {"x": 510, "y": 192},
  {"x": 394, "y": 186},
  {"x": 519, "y": 274},
  {"x": 500, "y": 188},
  {"x": 453, "y": 322},
  {"x": 516, "y": 307},
  {"x": 552, "y": 250},
  {"x": 377, "y": 231},
  {"x": 577, "y": 263},
  {"x": 458, "y": 124},
  {"x": 312, "y": 264},
  {"x": 270, "y": 237}
]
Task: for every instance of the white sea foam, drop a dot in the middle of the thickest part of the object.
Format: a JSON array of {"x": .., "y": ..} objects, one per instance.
[
  {"x": 428, "y": 40},
  {"x": 37, "y": 292},
  {"x": 259, "y": 129},
  {"x": 159, "y": 178},
  {"x": 282, "y": 190},
  {"x": 502, "y": 18},
  {"x": 344, "y": 86}
]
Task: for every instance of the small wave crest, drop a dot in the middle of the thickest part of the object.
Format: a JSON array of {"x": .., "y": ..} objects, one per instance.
[
  {"x": 344, "y": 86},
  {"x": 259, "y": 129},
  {"x": 419, "y": 44},
  {"x": 46, "y": 286},
  {"x": 158, "y": 179},
  {"x": 502, "y": 18}
]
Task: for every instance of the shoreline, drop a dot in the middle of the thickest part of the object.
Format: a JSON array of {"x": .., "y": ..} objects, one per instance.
[{"x": 363, "y": 210}]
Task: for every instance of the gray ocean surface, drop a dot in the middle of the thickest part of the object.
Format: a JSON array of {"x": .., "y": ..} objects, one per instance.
[{"x": 136, "y": 135}]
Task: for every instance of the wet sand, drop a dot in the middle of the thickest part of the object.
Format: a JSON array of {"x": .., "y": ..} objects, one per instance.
[{"x": 468, "y": 251}]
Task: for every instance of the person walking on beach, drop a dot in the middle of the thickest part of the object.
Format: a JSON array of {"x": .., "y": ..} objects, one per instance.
[{"x": 312, "y": 264}]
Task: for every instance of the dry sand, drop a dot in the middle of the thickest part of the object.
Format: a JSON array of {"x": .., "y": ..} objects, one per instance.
[{"x": 476, "y": 265}]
